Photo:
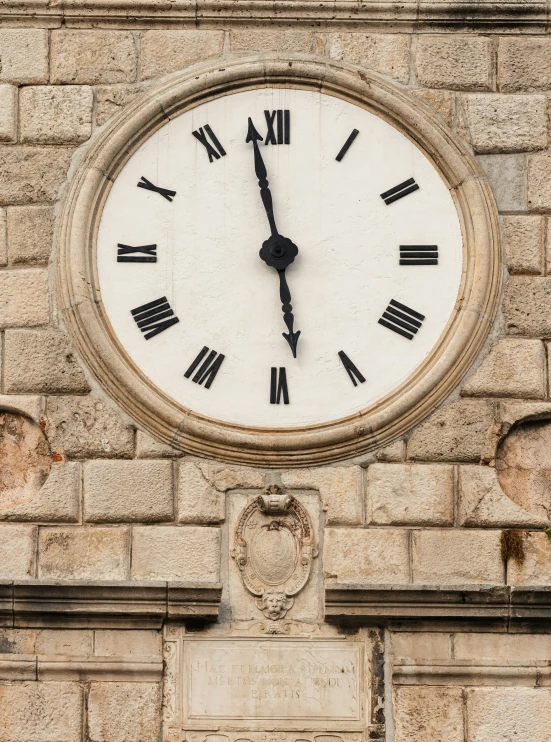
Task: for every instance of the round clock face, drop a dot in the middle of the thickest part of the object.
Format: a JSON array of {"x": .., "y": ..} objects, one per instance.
[{"x": 278, "y": 258}]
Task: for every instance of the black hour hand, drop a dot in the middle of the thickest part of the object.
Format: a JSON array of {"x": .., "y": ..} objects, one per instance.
[{"x": 285, "y": 296}]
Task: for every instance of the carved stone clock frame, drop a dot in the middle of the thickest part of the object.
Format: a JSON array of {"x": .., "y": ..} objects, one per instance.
[{"x": 86, "y": 320}]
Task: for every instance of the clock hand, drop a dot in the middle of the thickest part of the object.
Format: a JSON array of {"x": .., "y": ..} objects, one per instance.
[
  {"x": 285, "y": 296},
  {"x": 262, "y": 175}
]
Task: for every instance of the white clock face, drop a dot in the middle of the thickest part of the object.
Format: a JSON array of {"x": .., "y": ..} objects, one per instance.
[{"x": 373, "y": 284}]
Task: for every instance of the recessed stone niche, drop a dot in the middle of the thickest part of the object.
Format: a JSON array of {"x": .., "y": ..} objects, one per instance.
[{"x": 25, "y": 459}]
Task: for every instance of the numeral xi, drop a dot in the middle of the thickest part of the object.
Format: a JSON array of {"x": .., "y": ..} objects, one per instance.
[
  {"x": 214, "y": 153},
  {"x": 208, "y": 369},
  {"x": 154, "y": 317}
]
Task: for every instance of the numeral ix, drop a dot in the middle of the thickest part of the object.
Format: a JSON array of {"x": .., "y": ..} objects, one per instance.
[
  {"x": 278, "y": 386},
  {"x": 214, "y": 153},
  {"x": 282, "y": 121},
  {"x": 126, "y": 254},
  {"x": 208, "y": 369},
  {"x": 154, "y": 317},
  {"x": 401, "y": 319}
]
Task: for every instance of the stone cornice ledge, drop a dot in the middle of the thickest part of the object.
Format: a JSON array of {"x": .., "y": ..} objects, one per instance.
[{"x": 26, "y": 603}]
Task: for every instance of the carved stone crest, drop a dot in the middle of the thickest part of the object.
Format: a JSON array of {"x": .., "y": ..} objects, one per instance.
[{"x": 274, "y": 547}]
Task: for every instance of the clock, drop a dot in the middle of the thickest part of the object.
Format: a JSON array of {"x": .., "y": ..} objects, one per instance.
[{"x": 278, "y": 262}]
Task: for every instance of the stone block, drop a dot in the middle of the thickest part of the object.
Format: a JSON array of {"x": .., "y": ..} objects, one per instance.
[
  {"x": 30, "y": 406},
  {"x": 512, "y": 368},
  {"x": 443, "y": 102},
  {"x": 17, "y": 641},
  {"x": 23, "y": 55},
  {"x": 456, "y": 557},
  {"x": 507, "y": 123},
  {"x": 176, "y": 553},
  {"x": 271, "y": 40},
  {"x": 3, "y": 238},
  {"x": 539, "y": 182},
  {"x": 41, "y": 712},
  {"x": 78, "y": 553},
  {"x": 202, "y": 490},
  {"x": 43, "y": 362},
  {"x": 499, "y": 714},
  {"x": 410, "y": 494},
  {"x": 65, "y": 642},
  {"x": 527, "y": 306},
  {"x": 420, "y": 645},
  {"x": 32, "y": 174},
  {"x": 507, "y": 177},
  {"x": 92, "y": 57},
  {"x": 503, "y": 647},
  {"x": 455, "y": 432},
  {"x": 128, "y": 491},
  {"x": 524, "y": 244},
  {"x": 24, "y": 298},
  {"x": 455, "y": 62},
  {"x": 55, "y": 114},
  {"x": 8, "y": 112},
  {"x": 168, "y": 51},
  {"x": 340, "y": 488},
  {"x": 535, "y": 568},
  {"x": 85, "y": 427},
  {"x": 148, "y": 447},
  {"x": 30, "y": 234},
  {"x": 524, "y": 64},
  {"x": 120, "y": 712},
  {"x": 17, "y": 552},
  {"x": 424, "y": 713},
  {"x": 375, "y": 556},
  {"x": 384, "y": 53},
  {"x": 110, "y": 99},
  {"x": 395, "y": 451},
  {"x": 57, "y": 501},
  {"x": 137, "y": 642}
]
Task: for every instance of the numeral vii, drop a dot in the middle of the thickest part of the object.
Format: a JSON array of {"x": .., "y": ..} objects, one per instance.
[
  {"x": 351, "y": 369},
  {"x": 214, "y": 153},
  {"x": 399, "y": 191},
  {"x": 126, "y": 254},
  {"x": 154, "y": 317},
  {"x": 278, "y": 386},
  {"x": 148, "y": 185},
  {"x": 401, "y": 319},
  {"x": 282, "y": 121},
  {"x": 208, "y": 369}
]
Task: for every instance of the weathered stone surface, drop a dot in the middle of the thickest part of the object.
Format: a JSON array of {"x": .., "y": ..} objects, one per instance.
[
  {"x": 41, "y": 712},
  {"x": 512, "y": 368},
  {"x": 8, "y": 112},
  {"x": 3, "y": 238},
  {"x": 172, "y": 553},
  {"x": 65, "y": 641},
  {"x": 110, "y": 99},
  {"x": 417, "y": 645},
  {"x": 148, "y": 447},
  {"x": 25, "y": 459},
  {"x": 24, "y": 298},
  {"x": 527, "y": 306},
  {"x": 24, "y": 404},
  {"x": 120, "y": 712},
  {"x": 109, "y": 643},
  {"x": 84, "y": 553},
  {"x": 455, "y": 432},
  {"x": 17, "y": 641},
  {"x": 55, "y": 114},
  {"x": 371, "y": 556},
  {"x": 507, "y": 123},
  {"x": 17, "y": 552},
  {"x": 443, "y": 102},
  {"x": 499, "y": 714},
  {"x": 524, "y": 64},
  {"x": 385, "y": 53},
  {"x": 409, "y": 494},
  {"x": 43, "y": 362},
  {"x": 32, "y": 174},
  {"x": 535, "y": 569},
  {"x": 539, "y": 182},
  {"x": 456, "y": 557},
  {"x": 87, "y": 427},
  {"x": 508, "y": 647},
  {"x": 86, "y": 57},
  {"x": 168, "y": 51},
  {"x": 434, "y": 714},
  {"x": 524, "y": 238},
  {"x": 128, "y": 491},
  {"x": 271, "y": 40},
  {"x": 23, "y": 55},
  {"x": 56, "y": 502},
  {"x": 507, "y": 176},
  {"x": 454, "y": 62},
  {"x": 340, "y": 489},
  {"x": 395, "y": 451},
  {"x": 30, "y": 234}
]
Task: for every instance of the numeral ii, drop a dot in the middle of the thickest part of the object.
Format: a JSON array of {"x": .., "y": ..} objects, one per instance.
[
  {"x": 208, "y": 369},
  {"x": 282, "y": 121},
  {"x": 214, "y": 152},
  {"x": 278, "y": 386},
  {"x": 399, "y": 191},
  {"x": 154, "y": 317}
]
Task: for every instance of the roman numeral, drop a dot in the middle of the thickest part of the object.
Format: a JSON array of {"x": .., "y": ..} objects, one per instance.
[
  {"x": 346, "y": 145},
  {"x": 418, "y": 254},
  {"x": 154, "y": 317},
  {"x": 278, "y": 386},
  {"x": 282, "y": 120},
  {"x": 148, "y": 185},
  {"x": 401, "y": 319},
  {"x": 351, "y": 369},
  {"x": 214, "y": 153},
  {"x": 399, "y": 191},
  {"x": 126, "y": 254},
  {"x": 208, "y": 369}
]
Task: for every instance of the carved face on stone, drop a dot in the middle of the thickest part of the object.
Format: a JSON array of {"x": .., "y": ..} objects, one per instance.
[{"x": 275, "y": 604}]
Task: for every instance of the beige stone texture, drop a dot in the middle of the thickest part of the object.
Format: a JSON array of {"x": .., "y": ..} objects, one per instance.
[
  {"x": 172, "y": 553},
  {"x": 202, "y": 490},
  {"x": 65, "y": 642},
  {"x": 17, "y": 552},
  {"x": 120, "y": 712},
  {"x": 423, "y": 713},
  {"x": 457, "y": 557},
  {"x": 55, "y": 114},
  {"x": 454, "y": 62},
  {"x": 135, "y": 642},
  {"x": 110, "y": 99},
  {"x": 503, "y": 714},
  {"x": 17, "y": 641},
  {"x": 536, "y": 567},
  {"x": 32, "y": 174},
  {"x": 23, "y": 55},
  {"x": 3, "y": 237},
  {"x": 539, "y": 182},
  {"x": 41, "y": 362},
  {"x": 57, "y": 501},
  {"x": 84, "y": 553},
  {"x": 148, "y": 447},
  {"x": 92, "y": 57},
  {"x": 340, "y": 488},
  {"x": 442, "y": 101},
  {"x": 25, "y": 459},
  {"x": 504, "y": 647},
  {"x": 420, "y": 645},
  {"x": 524, "y": 238},
  {"x": 41, "y": 712},
  {"x": 30, "y": 234},
  {"x": 527, "y": 306},
  {"x": 168, "y": 51},
  {"x": 371, "y": 556},
  {"x": 512, "y": 368},
  {"x": 507, "y": 177},
  {"x": 455, "y": 432},
  {"x": 128, "y": 491},
  {"x": 29, "y": 405},
  {"x": 507, "y": 123},
  {"x": 24, "y": 298},
  {"x": 384, "y": 53},
  {"x": 271, "y": 40},
  {"x": 8, "y": 112},
  {"x": 410, "y": 494},
  {"x": 395, "y": 451},
  {"x": 87, "y": 427},
  {"x": 524, "y": 64}
]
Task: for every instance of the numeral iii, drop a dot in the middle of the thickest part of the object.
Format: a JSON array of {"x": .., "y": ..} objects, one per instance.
[
  {"x": 154, "y": 317},
  {"x": 126, "y": 254},
  {"x": 401, "y": 319},
  {"x": 208, "y": 369},
  {"x": 214, "y": 152},
  {"x": 418, "y": 254},
  {"x": 278, "y": 386},
  {"x": 399, "y": 191},
  {"x": 282, "y": 121}
]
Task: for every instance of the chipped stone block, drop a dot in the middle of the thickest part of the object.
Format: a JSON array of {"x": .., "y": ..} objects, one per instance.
[
  {"x": 57, "y": 501},
  {"x": 17, "y": 552},
  {"x": 65, "y": 642},
  {"x": 120, "y": 712},
  {"x": 136, "y": 642},
  {"x": 524, "y": 64},
  {"x": 41, "y": 712},
  {"x": 507, "y": 123},
  {"x": 512, "y": 368},
  {"x": 168, "y": 51},
  {"x": 499, "y": 714},
  {"x": 30, "y": 406},
  {"x": 536, "y": 567},
  {"x": 384, "y": 53},
  {"x": 420, "y": 645},
  {"x": 434, "y": 714},
  {"x": 24, "y": 298},
  {"x": 454, "y": 62},
  {"x": 25, "y": 459},
  {"x": 175, "y": 553},
  {"x": 527, "y": 306},
  {"x": 539, "y": 182},
  {"x": 443, "y": 102},
  {"x": 395, "y": 451},
  {"x": 371, "y": 556},
  {"x": 507, "y": 177},
  {"x": 55, "y": 114},
  {"x": 127, "y": 491},
  {"x": 23, "y": 55},
  {"x": 148, "y": 447},
  {"x": 271, "y": 40},
  {"x": 30, "y": 234},
  {"x": 340, "y": 489},
  {"x": 524, "y": 244},
  {"x": 92, "y": 57},
  {"x": 110, "y": 99},
  {"x": 78, "y": 553},
  {"x": 32, "y": 174},
  {"x": 8, "y": 112}
]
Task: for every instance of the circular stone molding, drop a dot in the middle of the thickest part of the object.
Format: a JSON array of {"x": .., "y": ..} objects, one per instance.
[{"x": 377, "y": 425}]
